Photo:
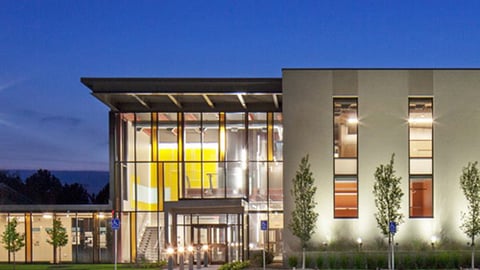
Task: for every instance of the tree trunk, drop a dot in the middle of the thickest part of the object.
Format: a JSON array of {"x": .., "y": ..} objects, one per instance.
[
  {"x": 14, "y": 261},
  {"x": 473, "y": 252},
  {"x": 389, "y": 251},
  {"x": 303, "y": 258},
  {"x": 59, "y": 255},
  {"x": 54, "y": 255},
  {"x": 393, "y": 252}
]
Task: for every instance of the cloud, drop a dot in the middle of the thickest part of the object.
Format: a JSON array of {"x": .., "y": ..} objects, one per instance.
[{"x": 4, "y": 85}]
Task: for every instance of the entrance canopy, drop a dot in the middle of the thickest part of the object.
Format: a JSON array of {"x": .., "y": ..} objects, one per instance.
[{"x": 188, "y": 95}]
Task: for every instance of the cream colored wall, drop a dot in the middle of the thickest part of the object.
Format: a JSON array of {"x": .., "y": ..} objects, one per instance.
[
  {"x": 383, "y": 130},
  {"x": 308, "y": 123},
  {"x": 456, "y": 142}
]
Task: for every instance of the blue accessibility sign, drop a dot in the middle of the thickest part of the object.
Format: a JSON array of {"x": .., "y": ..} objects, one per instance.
[
  {"x": 392, "y": 227},
  {"x": 264, "y": 225},
  {"x": 115, "y": 223}
]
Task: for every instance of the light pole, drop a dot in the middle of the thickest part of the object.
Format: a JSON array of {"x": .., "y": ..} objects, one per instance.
[
  {"x": 190, "y": 257},
  {"x": 205, "y": 255},
  {"x": 181, "y": 259},
  {"x": 170, "y": 252}
]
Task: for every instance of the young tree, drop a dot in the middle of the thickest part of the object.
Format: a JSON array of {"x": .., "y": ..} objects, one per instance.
[
  {"x": 11, "y": 239},
  {"x": 304, "y": 216},
  {"x": 58, "y": 238},
  {"x": 470, "y": 184},
  {"x": 388, "y": 196}
]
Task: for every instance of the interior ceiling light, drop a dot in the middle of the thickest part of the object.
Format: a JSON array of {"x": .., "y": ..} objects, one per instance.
[
  {"x": 352, "y": 121},
  {"x": 420, "y": 120}
]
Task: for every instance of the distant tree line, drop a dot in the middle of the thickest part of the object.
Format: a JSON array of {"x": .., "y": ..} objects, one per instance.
[{"x": 43, "y": 187}]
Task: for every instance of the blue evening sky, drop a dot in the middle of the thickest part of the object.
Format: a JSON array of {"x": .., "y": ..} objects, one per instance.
[{"x": 49, "y": 120}]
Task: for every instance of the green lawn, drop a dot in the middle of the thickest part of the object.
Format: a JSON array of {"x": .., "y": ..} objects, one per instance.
[{"x": 67, "y": 266}]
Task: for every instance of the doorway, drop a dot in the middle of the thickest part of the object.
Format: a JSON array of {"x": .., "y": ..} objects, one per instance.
[
  {"x": 214, "y": 237},
  {"x": 220, "y": 233}
]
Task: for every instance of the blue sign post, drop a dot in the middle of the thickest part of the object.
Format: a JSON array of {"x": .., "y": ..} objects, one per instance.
[
  {"x": 115, "y": 227},
  {"x": 264, "y": 228},
  {"x": 392, "y": 228}
]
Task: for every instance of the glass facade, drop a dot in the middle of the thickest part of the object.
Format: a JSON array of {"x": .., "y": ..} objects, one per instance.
[
  {"x": 345, "y": 156},
  {"x": 164, "y": 160},
  {"x": 420, "y": 131},
  {"x": 90, "y": 238}
]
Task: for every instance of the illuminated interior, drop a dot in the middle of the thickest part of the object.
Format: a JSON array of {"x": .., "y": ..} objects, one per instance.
[
  {"x": 420, "y": 124},
  {"x": 174, "y": 157},
  {"x": 345, "y": 158}
]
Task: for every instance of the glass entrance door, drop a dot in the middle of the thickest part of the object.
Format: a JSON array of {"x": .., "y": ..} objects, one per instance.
[
  {"x": 215, "y": 237},
  {"x": 222, "y": 233}
]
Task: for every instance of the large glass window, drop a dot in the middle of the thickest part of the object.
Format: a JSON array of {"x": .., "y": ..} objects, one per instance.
[
  {"x": 420, "y": 131},
  {"x": 167, "y": 156},
  {"x": 257, "y": 136},
  {"x": 193, "y": 136},
  {"x": 149, "y": 235},
  {"x": 235, "y": 136},
  {"x": 345, "y": 156},
  {"x": 278, "y": 136}
]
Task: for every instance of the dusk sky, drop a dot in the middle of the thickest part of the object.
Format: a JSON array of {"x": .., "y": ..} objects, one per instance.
[{"x": 49, "y": 120}]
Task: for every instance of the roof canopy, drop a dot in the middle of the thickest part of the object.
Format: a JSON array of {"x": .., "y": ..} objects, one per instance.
[{"x": 188, "y": 94}]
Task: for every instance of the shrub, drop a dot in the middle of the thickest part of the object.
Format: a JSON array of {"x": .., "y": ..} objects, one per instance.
[
  {"x": 332, "y": 261},
  {"x": 256, "y": 257},
  {"x": 319, "y": 261},
  {"x": 238, "y": 265},
  {"x": 143, "y": 263},
  {"x": 344, "y": 261},
  {"x": 292, "y": 261},
  {"x": 309, "y": 262},
  {"x": 359, "y": 261}
]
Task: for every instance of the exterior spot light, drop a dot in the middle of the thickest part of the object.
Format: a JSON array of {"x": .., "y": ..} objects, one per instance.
[
  {"x": 181, "y": 249},
  {"x": 190, "y": 249},
  {"x": 360, "y": 243},
  {"x": 433, "y": 240},
  {"x": 47, "y": 215},
  {"x": 205, "y": 247},
  {"x": 170, "y": 258},
  {"x": 101, "y": 215}
]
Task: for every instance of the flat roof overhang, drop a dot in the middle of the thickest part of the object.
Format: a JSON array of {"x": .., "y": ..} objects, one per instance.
[{"x": 188, "y": 94}]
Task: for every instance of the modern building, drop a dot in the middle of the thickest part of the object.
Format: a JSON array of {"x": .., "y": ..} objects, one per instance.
[
  {"x": 195, "y": 162},
  {"x": 205, "y": 161}
]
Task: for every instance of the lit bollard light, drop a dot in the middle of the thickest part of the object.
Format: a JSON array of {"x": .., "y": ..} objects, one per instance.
[
  {"x": 199, "y": 258},
  {"x": 190, "y": 257},
  {"x": 181, "y": 259},
  {"x": 205, "y": 255},
  {"x": 170, "y": 258}
]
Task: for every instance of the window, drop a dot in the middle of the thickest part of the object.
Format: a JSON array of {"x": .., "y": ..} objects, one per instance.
[
  {"x": 345, "y": 155},
  {"x": 420, "y": 131}
]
